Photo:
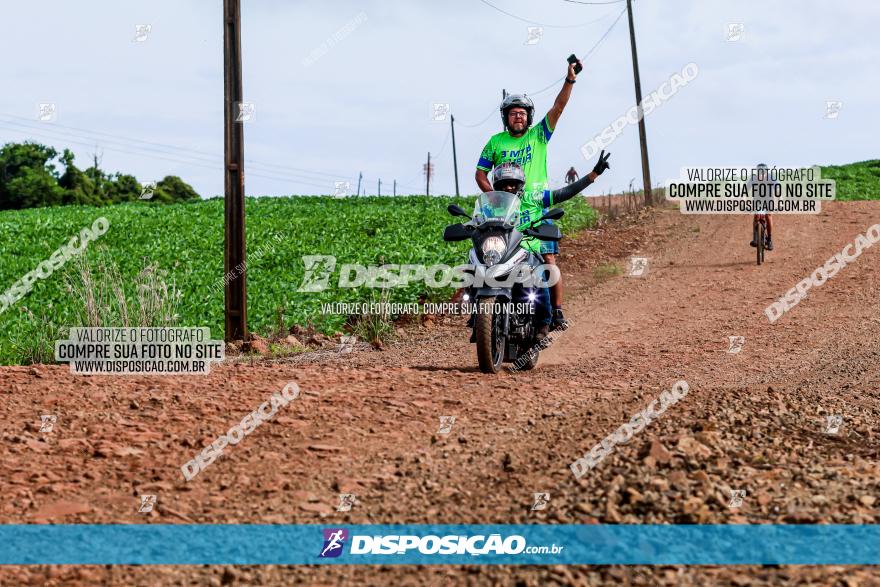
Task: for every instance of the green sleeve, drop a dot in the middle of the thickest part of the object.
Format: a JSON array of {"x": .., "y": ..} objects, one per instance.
[{"x": 487, "y": 157}]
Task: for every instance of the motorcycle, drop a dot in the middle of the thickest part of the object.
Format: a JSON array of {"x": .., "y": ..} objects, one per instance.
[{"x": 503, "y": 322}]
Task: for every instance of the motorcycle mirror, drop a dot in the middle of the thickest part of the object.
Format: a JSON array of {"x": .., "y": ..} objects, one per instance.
[
  {"x": 456, "y": 232},
  {"x": 554, "y": 214},
  {"x": 456, "y": 210},
  {"x": 545, "y": 232}
]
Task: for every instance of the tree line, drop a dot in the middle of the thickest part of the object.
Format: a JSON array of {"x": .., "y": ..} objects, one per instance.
[{"x": 34, "y": 175}]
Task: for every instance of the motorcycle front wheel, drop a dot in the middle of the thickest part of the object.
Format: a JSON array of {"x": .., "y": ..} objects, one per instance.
[{"x": 490, "y": 342}]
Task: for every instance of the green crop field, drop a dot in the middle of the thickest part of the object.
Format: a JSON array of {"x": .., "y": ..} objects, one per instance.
[
  {"x": 186, "y": 240},
  {"x": 855, "y": 181}
]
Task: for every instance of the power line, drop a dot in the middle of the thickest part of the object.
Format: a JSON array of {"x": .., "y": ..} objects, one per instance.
[
  {"x": 187, "y": 156},
  {"x": 555, "y": 83},
  {"x": 195, "y": 152},
  {"x": 195, "y": 163},
  {"x": 443, "y": 146},
  {"x": 586, "y": 55},
  {"x": 552, "y": 26},
  {"x": 481, "y": 123},
  {"x": 595, "y": 3}
]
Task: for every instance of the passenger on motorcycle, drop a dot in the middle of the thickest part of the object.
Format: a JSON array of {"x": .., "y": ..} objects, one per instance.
[{"x": 509, "y": 177}]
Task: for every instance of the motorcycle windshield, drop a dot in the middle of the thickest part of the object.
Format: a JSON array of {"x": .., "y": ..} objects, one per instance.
[{"x": 497, "y": 206}]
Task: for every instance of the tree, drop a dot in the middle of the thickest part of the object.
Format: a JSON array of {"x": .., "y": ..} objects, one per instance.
[
  {"x": 173, "y": 189},
  {"x": 79, "y": 188},
  {"x": 121, "y": 188},
  {"x": 28, "y": 177},
  {"x": 33, "y": 188}
]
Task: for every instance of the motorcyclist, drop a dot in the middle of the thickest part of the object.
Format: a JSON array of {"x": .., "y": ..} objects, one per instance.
[{"x": 526, "y": 145}]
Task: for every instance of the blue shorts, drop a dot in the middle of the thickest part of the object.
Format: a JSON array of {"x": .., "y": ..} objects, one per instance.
[{"x": 550, "y": 247}]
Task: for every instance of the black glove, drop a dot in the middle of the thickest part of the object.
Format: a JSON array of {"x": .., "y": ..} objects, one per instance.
[{"x": 602, "y": 164}]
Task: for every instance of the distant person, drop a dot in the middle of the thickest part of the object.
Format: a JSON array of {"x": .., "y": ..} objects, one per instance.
[
  {"x": 571, "y": 176},
  {"x": 762, "y": 177}
]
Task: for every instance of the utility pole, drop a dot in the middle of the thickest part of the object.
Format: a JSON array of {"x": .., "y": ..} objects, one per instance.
[
  {"x": 454, "y": 158},
  {"x": 360, "y": 176},
  {"x": 643, "y": 141},
  {"x": 429, "y": 170},
  {"x": 395, "y": 187},
  {"x": 379, "y": 191},
  {"x": 234, "y": 255}
]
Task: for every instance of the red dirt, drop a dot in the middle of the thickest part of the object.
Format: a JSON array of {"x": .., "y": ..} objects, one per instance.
[{"x": 367, "y": 422}]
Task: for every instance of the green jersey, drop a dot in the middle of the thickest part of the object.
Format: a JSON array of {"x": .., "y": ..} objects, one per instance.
[
  {"x": 532, "y": 206},
  {"x": 528, "y": 151}
]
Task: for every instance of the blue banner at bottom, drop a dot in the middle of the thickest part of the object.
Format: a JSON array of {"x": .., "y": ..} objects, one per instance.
[{"x": 234, "y": 544}]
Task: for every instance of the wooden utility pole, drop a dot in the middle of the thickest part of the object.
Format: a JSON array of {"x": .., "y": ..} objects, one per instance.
[
  {"x": 643, "y": 141},
  {"x": 454, "y": 158},
  {"x": 395, "y": 187},
  {"x": 234, "y": 254},
  {"x": 379, "y": 191},
  {"x": 428, "y": 175}
]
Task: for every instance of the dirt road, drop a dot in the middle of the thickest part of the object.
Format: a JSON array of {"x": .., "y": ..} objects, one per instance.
[{"x": 367, "y": 422}]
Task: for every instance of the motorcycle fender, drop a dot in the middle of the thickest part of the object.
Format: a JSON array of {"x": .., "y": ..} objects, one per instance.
[{"x": 488, "y": 292}]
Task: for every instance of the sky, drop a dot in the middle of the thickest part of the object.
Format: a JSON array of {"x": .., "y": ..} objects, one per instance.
[{"x": 345, "y": 88}]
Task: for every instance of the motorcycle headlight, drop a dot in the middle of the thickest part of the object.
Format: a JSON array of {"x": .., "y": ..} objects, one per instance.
[{"x": 492, "y": 248}]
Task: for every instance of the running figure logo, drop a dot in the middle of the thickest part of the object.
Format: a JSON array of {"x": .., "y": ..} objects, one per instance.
[
  {"x": 47, "y": 422},
  {"x": 147, "y": 503},
  {"x": 47, "y": 112},
  {"x": 736, "y": 498},
  {"x": 341, "y": 188},
  {"x": 346, "y": 500},
  {"x": 439, "y": 111},
  {"x": 317, "y": 274},
  {"x": 247, "y": 111},
  {"x": 446, "y": 423},
  {"x": 834, "y": 423},
  {"x": 735, "y": 31},
  {"x": 735, "y": 344},
  {"x": 334, "y": 538},
  {"x": 832, "y": 108},
  {"x": 346, "y": 344},
  {"x": 147, "y": 190},
  {"x": 535, "y": 33},
  {"x": 638, "y": 266},
  {"x": 541, "y": 501}
]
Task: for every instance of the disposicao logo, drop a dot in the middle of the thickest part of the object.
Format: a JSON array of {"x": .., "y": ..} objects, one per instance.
[{"x": 334, "y": 540}]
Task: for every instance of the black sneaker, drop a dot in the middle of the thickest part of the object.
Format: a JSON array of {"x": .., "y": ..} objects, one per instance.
[
  {"x": 559, "y": 321},
  {"x": 769, "y": 245},
  {"x": 543, "y": 331},
  {"x": 754, "y": 242}
]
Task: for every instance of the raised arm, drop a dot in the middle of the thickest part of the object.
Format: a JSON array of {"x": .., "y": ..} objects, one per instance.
[{"x": 563, "y": 96}]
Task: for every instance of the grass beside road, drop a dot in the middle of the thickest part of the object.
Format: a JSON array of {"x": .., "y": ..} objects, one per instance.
[
  {"x": 855, "y": 181},
  {"x": 185, "y": 241}
]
